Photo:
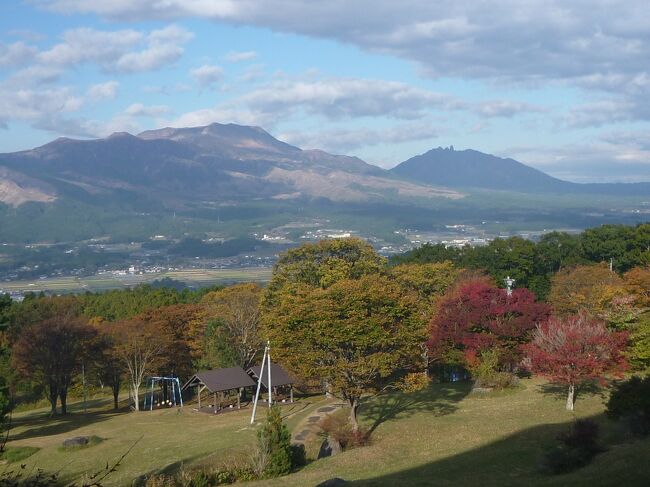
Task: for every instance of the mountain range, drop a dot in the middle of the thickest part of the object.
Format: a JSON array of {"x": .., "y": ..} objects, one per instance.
[
  {"x": 177, "y": 167},
  {"x": 235, "y": 180},
  {"x": 474, "y": 169}
]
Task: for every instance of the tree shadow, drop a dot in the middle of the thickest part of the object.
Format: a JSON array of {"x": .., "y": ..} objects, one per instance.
[
  {"x": 559, "y": 391},
  {"x": 437, "y": 399},
  {"x": 38, "y": 425},
  {"x": 514, "y": 460}
]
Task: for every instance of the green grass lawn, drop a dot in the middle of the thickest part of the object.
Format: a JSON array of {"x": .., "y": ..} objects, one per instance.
[
  {"x": 444, "y": 436},
  {"x": 166, "y": 439},
  {"x": 448, "y": 436}
]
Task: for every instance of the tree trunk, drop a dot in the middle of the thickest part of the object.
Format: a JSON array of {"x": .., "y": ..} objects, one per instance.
[
  {"x": 63, "y": 394},
  {"x": 354, "y": 408},
  {"x": 136, "y": 397},
  {"x": 116, "y": 394},
  {"x": 52, "y": 397},
  {"x": 571, "y": 397}
]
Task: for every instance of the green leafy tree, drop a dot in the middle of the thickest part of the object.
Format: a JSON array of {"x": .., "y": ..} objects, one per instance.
[
  {"x": 217, "y": 350},
  {"x": 607, "y": 242},
  {"x": 556, "y": 250}
]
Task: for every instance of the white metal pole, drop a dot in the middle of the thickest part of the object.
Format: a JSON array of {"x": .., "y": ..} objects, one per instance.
[
  {"x": 268, "y": 347},
  {"x": 259, "y": 384}
]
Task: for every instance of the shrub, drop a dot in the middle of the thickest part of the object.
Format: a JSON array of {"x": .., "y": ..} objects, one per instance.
[
  {"x": 204, "y": 477},
  {"x": 630, "y": 401},
  {"x": 413, "y": 382},
  {"x": 575, "y": 448},
  {"x": 337, "y": 427},
  {"x": 274, "y": 443},
  {"x": 484, "y": 368}
]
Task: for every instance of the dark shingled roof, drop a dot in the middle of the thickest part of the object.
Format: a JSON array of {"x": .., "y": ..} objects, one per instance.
[
  {"x": 278, "y": 375},
  {"x": 221, "y": 379}
]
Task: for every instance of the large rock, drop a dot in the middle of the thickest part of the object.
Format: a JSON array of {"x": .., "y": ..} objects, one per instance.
[
  {"x": 329, "y": 448},
  {"x": 76, "y": 441}
]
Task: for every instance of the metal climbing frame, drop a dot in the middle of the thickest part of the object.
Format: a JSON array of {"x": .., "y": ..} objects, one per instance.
[{"x": 168, "y": 384}]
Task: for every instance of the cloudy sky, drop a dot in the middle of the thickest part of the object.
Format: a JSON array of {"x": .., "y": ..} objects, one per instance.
[{"x": 561, "y": 85}]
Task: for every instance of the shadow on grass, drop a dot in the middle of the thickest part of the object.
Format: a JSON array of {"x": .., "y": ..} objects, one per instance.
[
  {"x": 514, "y": 461},
  {"x": 37, "y": 425},
  {"x": 560, "y": 391},
  {"x": 437, "y": 399}
]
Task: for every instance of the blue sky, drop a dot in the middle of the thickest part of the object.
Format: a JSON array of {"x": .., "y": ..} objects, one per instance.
[{"x": 562, "y": 86}]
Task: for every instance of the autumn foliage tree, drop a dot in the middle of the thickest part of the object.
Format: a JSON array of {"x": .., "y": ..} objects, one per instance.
[
  {"x": 476, "y": 316},
  {"x": 357, "y": 335},
  {"x": 582, "y": 288},
  {"x": 337, "y": 315},
  {"x": 51, "y": 353},
  {"x": 575, "y": 350}
]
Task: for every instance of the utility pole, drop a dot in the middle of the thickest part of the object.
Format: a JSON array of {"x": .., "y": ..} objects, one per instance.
[{"x": 266, "y": 362}]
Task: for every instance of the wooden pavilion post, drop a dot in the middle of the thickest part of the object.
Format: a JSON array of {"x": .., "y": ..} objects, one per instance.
[
  {"x": 291, "y": 392},
  {"x": 198, "y": 393},
  {"x": 239, "y": 398},
  {"x": 214, "y": 402}
]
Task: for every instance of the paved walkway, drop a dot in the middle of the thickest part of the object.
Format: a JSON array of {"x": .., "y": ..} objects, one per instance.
[{"x": 308, "y": 428}]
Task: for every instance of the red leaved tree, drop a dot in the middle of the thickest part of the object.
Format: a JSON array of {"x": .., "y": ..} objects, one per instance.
[
  {"x": 574, "y": 351},
  {"x": 477, "y": 316}
]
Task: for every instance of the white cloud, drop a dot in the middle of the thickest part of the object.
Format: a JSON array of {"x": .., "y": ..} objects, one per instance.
[
  {"x": 616, "y": 156},
  {"x": 140, "y": 110},
  {"x": 345, "y": 98},
  {"x": 501, "y": 108},
  {"x": 207, "y": 75},
  {"x": 342, "y": 140},
  {"x": 102, "y": 91},
  {"x": 238, "y": 56},
  {"x": 510, "y": 39},
  {"x": 16, "y": 54},
  {"x": 124, "y": 50},
  {"x": 34, "y": 104}
]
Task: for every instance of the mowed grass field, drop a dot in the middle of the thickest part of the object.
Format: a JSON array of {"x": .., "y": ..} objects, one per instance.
[
  {"x": 444, "y": 436},
  {"x": 103, "y": 282},
  {"x": 158, "y": 440}
]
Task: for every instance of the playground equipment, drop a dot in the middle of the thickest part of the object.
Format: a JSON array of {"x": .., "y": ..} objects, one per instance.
[{"x": 168, "y": 393}]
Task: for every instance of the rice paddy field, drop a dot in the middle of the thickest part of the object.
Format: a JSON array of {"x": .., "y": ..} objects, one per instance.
[{"x": 103, "y": 282}]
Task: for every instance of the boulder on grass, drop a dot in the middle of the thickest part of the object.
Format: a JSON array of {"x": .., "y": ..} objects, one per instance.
[
  {"x": 329, "y": 448},
  {"x": 76, "y": 441}
]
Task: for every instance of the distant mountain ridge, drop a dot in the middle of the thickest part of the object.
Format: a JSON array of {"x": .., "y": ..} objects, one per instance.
[
  {"x": 181, "y": 167},
  {"x": 468, "y": 169},
  {"x": 217, "y": 164}
]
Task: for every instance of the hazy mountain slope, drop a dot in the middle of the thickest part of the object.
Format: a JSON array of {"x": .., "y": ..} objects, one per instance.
[{"x": 473, "y": 169}]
